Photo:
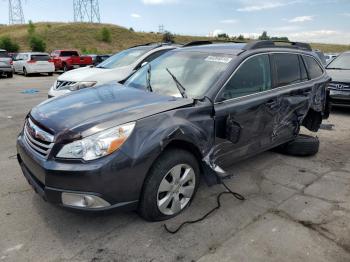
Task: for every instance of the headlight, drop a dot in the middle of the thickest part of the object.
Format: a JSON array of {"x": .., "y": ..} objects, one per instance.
[
  {"x": 81, "y": 85},
  {"x": 98, "y": 145}
]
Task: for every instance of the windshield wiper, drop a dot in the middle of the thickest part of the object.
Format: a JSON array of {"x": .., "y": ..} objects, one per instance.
[
  {"x": 148, "y": 79},
  {"x": 179, "y": 86}
]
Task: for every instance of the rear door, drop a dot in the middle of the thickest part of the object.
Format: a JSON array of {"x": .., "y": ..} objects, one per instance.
[
  {"x": 41, "y": 62},
  {"x": 244, "y": 110},
  {"x": 5, "y": 60},
  {"x": 290, "y": 80}
]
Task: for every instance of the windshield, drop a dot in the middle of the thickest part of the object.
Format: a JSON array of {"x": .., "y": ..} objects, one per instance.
[
  {"x": 341, "y": 62},
  {"x": 124, "y": 58},
  {"x": 196, "y": 72}
]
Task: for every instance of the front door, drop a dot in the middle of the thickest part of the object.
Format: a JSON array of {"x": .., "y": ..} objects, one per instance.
[{"x": 244, "y": 112}]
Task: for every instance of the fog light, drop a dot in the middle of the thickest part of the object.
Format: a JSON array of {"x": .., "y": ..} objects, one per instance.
[{"x": 83, "y": 200}]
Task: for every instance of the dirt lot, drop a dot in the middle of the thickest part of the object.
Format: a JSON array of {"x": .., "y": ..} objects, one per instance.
[{"x": 297, "y": 209}]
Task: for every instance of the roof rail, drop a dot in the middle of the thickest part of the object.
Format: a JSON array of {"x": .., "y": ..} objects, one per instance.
[
  {"x": 272, "y": 44},
  {"x": 152, "y": 43}
]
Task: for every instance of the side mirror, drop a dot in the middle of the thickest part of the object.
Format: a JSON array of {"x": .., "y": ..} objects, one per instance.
[{"x": 144, "y": 63}]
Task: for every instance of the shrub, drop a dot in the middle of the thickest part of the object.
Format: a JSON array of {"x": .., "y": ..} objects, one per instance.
[
  {"x": 9, "y": 45},
  {"x": 31, "y": 28},
  {"x": 168, "y": 37},
  {"x": 106, "y": 35},
  {"x": 37, "y": 44},
  {"x": 131, "y": 29}
]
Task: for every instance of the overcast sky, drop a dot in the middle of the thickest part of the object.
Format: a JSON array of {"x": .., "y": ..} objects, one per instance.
[{"x": 325, "y": 21}]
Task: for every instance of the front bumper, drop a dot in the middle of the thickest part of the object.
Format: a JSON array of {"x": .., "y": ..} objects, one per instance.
[
  {"x": 111, "y": 178},
  {"x": 339, "y": 98}
]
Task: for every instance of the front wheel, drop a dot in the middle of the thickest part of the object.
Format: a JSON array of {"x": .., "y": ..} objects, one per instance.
[
  {"x": 25, "y": 73},
  {"x": 170, "y": 186}
]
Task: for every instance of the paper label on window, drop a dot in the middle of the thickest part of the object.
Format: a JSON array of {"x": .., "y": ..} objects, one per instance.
[
  {"x": 218, "y": 59},
  {"x": 136, "y": 53}
]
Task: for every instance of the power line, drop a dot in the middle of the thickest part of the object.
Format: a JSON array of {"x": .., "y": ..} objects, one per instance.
[
  {"x": 86, "y": 11},
  {"x": 16, "y": 15}
]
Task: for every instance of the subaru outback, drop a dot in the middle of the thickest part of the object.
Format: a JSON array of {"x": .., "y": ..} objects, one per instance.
[{"x": 192, "y": 112}]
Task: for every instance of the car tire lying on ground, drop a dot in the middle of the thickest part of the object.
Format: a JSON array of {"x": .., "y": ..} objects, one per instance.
[
  {"x": 302, "y": 145},
  {"x": 170, "y": 186}
]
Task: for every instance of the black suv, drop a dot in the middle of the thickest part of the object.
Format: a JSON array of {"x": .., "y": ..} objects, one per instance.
[{"x": 193, "y": 111}]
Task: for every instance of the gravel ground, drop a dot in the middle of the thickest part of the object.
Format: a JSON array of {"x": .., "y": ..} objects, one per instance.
[{"x": 297, "y": 209}]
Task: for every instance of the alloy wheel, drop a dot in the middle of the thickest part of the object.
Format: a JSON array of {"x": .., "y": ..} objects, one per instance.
[{"x": 176, "y": 189}]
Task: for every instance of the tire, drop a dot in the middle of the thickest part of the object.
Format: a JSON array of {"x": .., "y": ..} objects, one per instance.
[
  {"x": 174, "y": 202},
  {"x": 65, "y": 68},
  {"x": 25, "y": 73},
  {"x": 302, "y": 145},
  {"x": 10, "y": 74}
]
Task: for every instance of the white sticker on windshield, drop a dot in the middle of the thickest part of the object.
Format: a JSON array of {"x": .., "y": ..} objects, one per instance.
[{"x": 218, "y": 59}]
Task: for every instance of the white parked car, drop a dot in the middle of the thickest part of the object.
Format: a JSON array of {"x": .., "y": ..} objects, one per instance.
[
  {"x": 33, "y": 62},
  {"x": 117, "y": 68},
  {"x": 330, "y": 57}
]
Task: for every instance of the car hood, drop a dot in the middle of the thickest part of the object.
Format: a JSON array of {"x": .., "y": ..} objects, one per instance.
[
  {"x": 339, "y": 75},
  {"x": 94, "y": 109},
  {"x": 100, "y": 75}
]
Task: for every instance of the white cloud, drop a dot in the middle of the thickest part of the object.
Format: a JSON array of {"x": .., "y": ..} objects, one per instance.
[
  {"x": 301, "y": 19},
  {"x": 134, "y": 15},
  {"x": 159, "y": 2},
  {"x": 229, "y": 21},
  {"x": 259, "y": 5},
  {"x": 320, "y": 36}
]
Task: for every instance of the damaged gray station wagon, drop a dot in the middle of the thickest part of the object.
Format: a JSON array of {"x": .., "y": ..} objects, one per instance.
[{"x": 193, "y": 111}]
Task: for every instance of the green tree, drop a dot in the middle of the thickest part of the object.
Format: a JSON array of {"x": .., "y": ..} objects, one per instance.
[
  {"x": 37, "y": 44},
  {"x": 31, "y": 28},
  {"x": 264, "y": 36},
  {"x": 106, "y": 35},
  {"x": 223, "y": 35},
  {"x": 131, "y": 29},
  {"x": 9, "y": 45},
  {"x": 240, "y": 38},
  {"x": 168, "y": 37}
]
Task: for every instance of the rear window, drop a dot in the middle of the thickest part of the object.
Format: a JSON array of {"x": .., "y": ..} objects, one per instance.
[
  {"x": 3, "y": 54},
  {"x": 287, "y": 69},
  {"x": 69, "y": 53},
  {"x": 313, "y": 67},
  {"x": 40, "y": 57}
]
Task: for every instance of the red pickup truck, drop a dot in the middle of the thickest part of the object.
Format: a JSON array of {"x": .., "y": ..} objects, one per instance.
[{"x": 69, "y": 59}]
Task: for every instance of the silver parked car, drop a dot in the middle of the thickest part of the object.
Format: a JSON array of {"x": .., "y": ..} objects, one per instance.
[{"x": 5, "y": 64}]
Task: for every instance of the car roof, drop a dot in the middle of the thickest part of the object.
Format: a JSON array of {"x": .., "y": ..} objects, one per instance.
[
  {"x": 236, "y": 48},
  {"x": 224, "y": 48},
  {"x": 33, "y": 53}
]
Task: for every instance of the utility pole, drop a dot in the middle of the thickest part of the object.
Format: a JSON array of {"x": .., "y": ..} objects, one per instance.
[
  {"x": 86, "y": 11},
  {"x": 161, "y": 29},
  {"x": 15, "y": 12}
]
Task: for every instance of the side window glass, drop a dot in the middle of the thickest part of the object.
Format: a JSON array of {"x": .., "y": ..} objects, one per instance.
[
  {"x": 303, "y": 71},
  {"x": 313, "y": 67},
  {"x": 253, "y": 76},
  {"x": 287, "y": 69}
]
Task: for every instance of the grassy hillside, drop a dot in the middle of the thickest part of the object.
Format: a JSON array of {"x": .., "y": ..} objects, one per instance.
[
  {"x": 84, "y": 36},
  {"x": 87, "y": 37}
]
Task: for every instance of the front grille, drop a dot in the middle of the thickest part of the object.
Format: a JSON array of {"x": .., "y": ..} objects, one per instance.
[
  {"x": 37, "y": 139},
  {"x": 63, "y": 84},
  {"x": 339, "y": 86}
]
